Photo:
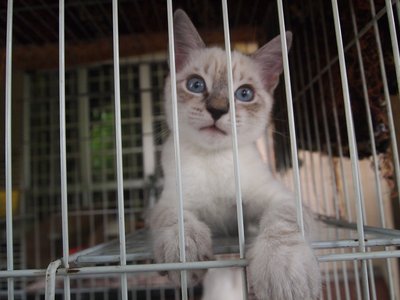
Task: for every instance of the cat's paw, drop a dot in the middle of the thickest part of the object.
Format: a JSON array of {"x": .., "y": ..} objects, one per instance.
[
  {"x": 284, "y": 268},
  {"x": 198, "y": 246}
]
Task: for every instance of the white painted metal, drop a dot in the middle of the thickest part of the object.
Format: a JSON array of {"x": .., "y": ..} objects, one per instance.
[
  {"x": 8, "y": 150},
  {"x": 385, "y": 81},
  {"x": 377, "y": 173},
  {"x": 51, "y": 279},
  {"x": 352, "y": 145},
  {"x": 292, "y": 129},
  {"x": 333, "y": 254},
  {"x": 182, "y": 251},
  {"x": 118, "y": 146},
  {"x": 63, "y": 151},
  {"x": 232, "y": 114}
]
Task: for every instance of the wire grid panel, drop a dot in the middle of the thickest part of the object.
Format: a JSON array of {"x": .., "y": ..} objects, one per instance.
[{"x": 339, "y": 152}]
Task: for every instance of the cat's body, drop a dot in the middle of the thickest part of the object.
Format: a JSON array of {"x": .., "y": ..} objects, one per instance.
[
  {"x": 282, "y": 265},
  {"x": 209, "y": 185}
]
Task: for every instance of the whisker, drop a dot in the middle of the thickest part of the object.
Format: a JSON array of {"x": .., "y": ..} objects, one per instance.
[
  {"x": 281, "y": 134},
  {"x": 161, "y": 133}
]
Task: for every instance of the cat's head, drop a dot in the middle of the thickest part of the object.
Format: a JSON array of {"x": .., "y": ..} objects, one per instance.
[{"x": 202, "y": 88}]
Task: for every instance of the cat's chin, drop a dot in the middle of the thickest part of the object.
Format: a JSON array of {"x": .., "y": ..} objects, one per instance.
[{"x": 214, "y": 138}]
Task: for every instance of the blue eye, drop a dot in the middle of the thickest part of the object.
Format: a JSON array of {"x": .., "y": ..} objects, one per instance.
[
  {"x": 244, "y": 93},
  {"x": 196, "y": 84}
]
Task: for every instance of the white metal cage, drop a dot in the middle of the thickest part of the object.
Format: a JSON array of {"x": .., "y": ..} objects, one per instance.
[{"x": 83, "y": 134}]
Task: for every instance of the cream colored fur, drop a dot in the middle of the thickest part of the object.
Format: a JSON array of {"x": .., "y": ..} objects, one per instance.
[{"x": 282, "y": 265}]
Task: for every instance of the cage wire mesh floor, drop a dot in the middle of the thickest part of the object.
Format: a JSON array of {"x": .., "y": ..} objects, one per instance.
[
  {"x": 344, "y": 69},
  {"x": 331, "y": 234}
]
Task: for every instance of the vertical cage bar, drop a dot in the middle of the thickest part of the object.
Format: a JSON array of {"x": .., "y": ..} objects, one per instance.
[
  {"x": 309, "y": 144},
  {"x": 232, "y": 113},
  {"x": 340, "y": 147},
  {"x": 26, "y": 180},
  {"x": 385, "y": 83},
  {"x": 371, "y": 135},
  {"x": 368, "y": 111},
  {"x": 378, "y": 185},
  {"x": 352, "y": 144},
  {"x": 336, "y": 278},
  {"x": 371, "y": 278},
  {"x": 309, "y": 156},
  {"x": 321, "y": 192},
  {"x": 63, "y": 151},
  {"x": 175, "y": 125},
  {"x": 292, "y": 129},
  {"x": 391, "y": 129},
  {"x": 297, "y": 85},
  {"x": 324, "y": 113},
  {"x": 335, "y": 115},
  {"x": 327, "y": 139},
  {"x": 384, "y": 78},
  {"x": 8, "y": 150},
  {"x": 306, "y": 136},
  {"x": 330, "y": 156},
  {"x": 118, "y": 145}
]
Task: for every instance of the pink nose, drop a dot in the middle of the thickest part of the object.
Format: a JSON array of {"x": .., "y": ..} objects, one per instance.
[{"x": 217, "y": 108}]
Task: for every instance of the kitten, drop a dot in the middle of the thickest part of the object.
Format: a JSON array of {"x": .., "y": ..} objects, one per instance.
[{"x": 281, "y": 263}]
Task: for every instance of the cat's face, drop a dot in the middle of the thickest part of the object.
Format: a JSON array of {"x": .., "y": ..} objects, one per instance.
[
  {"x": 203, "y": 103},
  {"x": 202, "y": 89}
]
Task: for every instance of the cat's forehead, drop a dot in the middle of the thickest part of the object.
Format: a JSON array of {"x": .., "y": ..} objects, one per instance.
[{"x": 212, "y": 62}]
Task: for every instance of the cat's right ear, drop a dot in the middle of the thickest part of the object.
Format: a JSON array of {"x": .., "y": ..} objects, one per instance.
[
  {"x": 186, "y": 38},
  {"x": 269, "y": 58}
]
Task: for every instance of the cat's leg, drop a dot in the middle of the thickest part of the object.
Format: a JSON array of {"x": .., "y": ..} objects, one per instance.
[
  {"x": 164, "y": 227},
  {"x": 282, "y": 264},
  {"x": 223, "y": 284}
]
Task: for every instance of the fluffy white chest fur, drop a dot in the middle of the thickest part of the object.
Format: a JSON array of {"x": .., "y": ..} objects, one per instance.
[{"x": 208, "y": 182}]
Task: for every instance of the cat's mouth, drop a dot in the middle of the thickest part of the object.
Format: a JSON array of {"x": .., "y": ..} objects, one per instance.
[{"x": 213, "y": 129}]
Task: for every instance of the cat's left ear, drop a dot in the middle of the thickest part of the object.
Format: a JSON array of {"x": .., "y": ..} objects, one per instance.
[
  {"x": 186, "y": 38},
  {"x": 269, "y": 57}
]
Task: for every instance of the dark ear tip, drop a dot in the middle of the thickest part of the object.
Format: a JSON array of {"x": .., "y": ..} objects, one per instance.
[{"x": 180, "y": 13}]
